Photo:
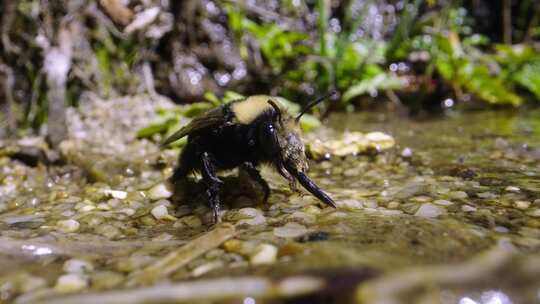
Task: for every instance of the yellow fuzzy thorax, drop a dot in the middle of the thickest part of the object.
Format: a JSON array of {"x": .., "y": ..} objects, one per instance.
[{"x": 250, "y": 108}]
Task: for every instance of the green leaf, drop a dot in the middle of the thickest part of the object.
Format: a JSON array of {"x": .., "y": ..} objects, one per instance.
[
  {"x": 529, "y": 77},
  {"x": 372, "y": 85}
]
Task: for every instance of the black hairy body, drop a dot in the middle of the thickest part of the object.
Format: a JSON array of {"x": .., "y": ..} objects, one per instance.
[{"x": 245, "y": 134}]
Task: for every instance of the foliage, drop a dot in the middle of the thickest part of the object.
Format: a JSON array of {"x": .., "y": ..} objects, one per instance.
[{"x": 465, "y": 61}]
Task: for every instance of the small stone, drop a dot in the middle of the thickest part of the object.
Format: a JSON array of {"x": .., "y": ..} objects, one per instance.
[
  {"x": 501, "y": 229},
  {"x": 68, "y": 225},
  {"x": 116, "y": 193},
  {"x": 443, "y": 203},
  {"x": 192, "y": 221},
  {"x": 264, "y": 254},
  {"x": 467, "y": 208},
  {"x": 313, "y": 210},
  {"x": 349, "y": 204},
  {"x": 486, "y": 195},
  {"x": 103, "y": 206},
  {"x": 239, "y": 247},
  {"x": 87, "y": 208},
  {"x": 393, "y": 205},
  {"x": 108, "y": 231},
  {"x": 106, "y": 279},
  {"x": 290, "y": 230},
  {"x": 72, "y": 282},
  {"x": 407, "y": 152},
  {"x": 207, "y": 267},
  {"x": 127, "y": 211},
  {"x": 458, "y": 195},
  {"x": 370, "y": 204},
  {"x": 32, "y": 283},
  {"x": 302, "y": 217},
  {"x": 512, "y": 189},
  {"x": 522, "y": 204},
  {"x": 160, "y": 212},
  {"x": 534, "y": 213},
  {"x": 421, "y": 199},
  {"x": 160, "y": 191},
  {"x": 77, "y": 266},
  {"x": 430, "y": 210},
  {"x": 390, "y": 212}
]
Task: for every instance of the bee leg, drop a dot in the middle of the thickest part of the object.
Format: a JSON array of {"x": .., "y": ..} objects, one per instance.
[
  {"x": 254, "y": 173},
  {"x": 292, "y": 181},
  {"x": 212, "y": 184}
]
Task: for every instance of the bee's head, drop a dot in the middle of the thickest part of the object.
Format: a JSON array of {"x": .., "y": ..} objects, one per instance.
[
  {"x": 289, "y": 154},
  {"x": 292, "y": 145},
  {"x": 292, "y": 154}
]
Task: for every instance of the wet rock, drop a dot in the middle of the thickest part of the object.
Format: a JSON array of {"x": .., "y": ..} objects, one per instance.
[
  {"x": 468, "y": 208},
  {"x": 192, "y": 221},
  {"x": 535, "y": 213},
  {"x": 290, "y": 230},
  {"x": 351, "y": 143},
  {"x": 430, "y": 210},
  {"x": 160, "y": 191},
  {"x": 116, "y": 193},
  {"x": 68, "y": 225},
  {"x": 522, "y": 204},
  {"x": 315, "y": 236},
  {"x": 264, "y": 254},
  {"x": 349, "y": 204},
  {"x": 105, "y": 279},
  {"x": 77, "y": 266},
  {"x": 512, "y": 189},
  {"x": 160, "y": 212},
  {"x": 207, "y": 267},
  {"x": 443, "y": 203},
  {"x": 72, "y": 282}
]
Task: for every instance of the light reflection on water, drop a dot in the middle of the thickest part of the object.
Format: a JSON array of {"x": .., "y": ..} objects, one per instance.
[{"x": 488, "y": 297}]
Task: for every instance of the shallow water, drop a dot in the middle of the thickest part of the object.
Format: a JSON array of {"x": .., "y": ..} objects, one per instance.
[{"x": 451, "y": 215}]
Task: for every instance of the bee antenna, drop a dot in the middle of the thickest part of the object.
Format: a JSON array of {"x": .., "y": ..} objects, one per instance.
[
  {"x": 277, "y": 109},
  {"x": 313, "y": 103}
]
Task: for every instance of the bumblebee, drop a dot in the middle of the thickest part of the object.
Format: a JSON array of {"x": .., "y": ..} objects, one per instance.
[{"x": 245, "y": 133}]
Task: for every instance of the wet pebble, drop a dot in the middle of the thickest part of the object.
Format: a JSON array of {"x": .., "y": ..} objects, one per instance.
[
  {"x": 393, "y": 205},
  {"x": 106, "y": 279},
  {"x": 192, "y": 221},
  {"x": 349, "y": 204},
  {"x": 71, "y": 282},
  {"x": 468, "y": 208},
  {"x": 512, "y": 189},
  {"x": 239, "y": 247},
  {"x": 68, "y": 225},
  {"x": 160, "y": 212},
  {"x": 290, "y": 230},
  {"x": 430, "y": 210},
  {"x": 108, "y": 231},
  {"x": 458, "y": 195},
  {"x": 116, "y": 193},
  {"x": 443, "y": 202},
  {"x": 160, "y": 191},
  {"x": 264, "y": 254},
  {"x": 522, "y": 205},
  {"x": 207, "y": 267},
  {"x": 77, "y": 266},
  {"x": 535, "y": 213}
]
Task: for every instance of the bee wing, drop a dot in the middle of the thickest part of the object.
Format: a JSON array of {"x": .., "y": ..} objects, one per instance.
[{"x": 212, "y": 118}]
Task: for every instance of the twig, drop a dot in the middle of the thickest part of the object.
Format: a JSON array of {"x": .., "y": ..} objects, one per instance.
[{"x": 182, "y": 256}]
